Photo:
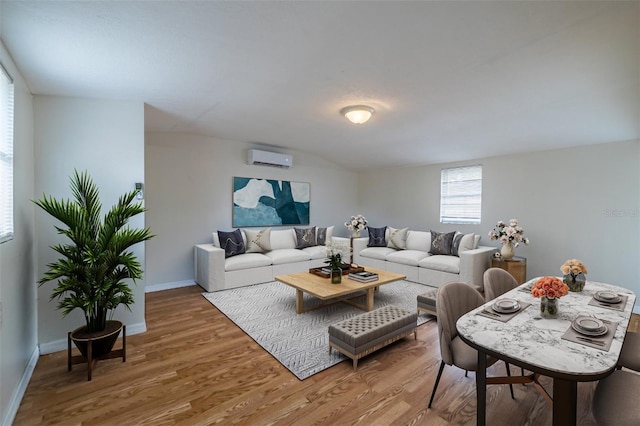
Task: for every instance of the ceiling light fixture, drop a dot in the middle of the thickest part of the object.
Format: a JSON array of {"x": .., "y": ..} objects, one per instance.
[{"x": 357, "y": 114}]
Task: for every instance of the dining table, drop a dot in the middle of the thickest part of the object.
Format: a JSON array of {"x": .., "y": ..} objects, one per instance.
[{"x": 552, "y": 347}]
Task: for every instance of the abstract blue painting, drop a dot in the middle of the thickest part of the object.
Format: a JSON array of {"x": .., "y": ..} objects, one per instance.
[{"x": 268, "y": 202}]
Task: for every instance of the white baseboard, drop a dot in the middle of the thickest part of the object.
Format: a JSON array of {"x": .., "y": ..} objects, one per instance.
[
  {"x": 168, "y": 286},
  {"x": 61, "y": 344},
  {"x": 18, "y": 393}
]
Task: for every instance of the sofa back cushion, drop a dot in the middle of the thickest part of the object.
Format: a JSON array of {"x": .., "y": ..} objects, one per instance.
[
  {"x": 418, "y": 240},
  {"x": 283, "y": 239}
]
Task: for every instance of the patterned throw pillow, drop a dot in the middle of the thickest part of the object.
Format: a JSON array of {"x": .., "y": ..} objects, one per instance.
[
  {"x": 461, "y": 243},
  {"x": 231, "y": 242},
  {"x": 441, "y": 242},
  {"x": 376, "y": 237},
  {"x": 305, "y": 237},
  {"x": 398, "y": 238},
  {"x": 258, "y": 241},
  {"x": 321, "y": 236}
]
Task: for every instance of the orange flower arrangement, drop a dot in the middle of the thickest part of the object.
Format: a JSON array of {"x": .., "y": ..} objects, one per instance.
[{"x": 549, "y": 287}]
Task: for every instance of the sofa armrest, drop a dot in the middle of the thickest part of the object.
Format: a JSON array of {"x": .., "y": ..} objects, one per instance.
[
  {"x": 359, "y": 244},
  {"x": 209, "y": 267},
  {"x": 473, "y": 263}
]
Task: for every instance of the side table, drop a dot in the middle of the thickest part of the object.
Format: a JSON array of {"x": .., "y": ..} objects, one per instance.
[{"x": 517, "y": 267}]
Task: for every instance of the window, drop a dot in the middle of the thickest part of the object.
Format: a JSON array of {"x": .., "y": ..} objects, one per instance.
[
  {"x": 461, "y": 195},
  {"x": 6, "y": 156}
]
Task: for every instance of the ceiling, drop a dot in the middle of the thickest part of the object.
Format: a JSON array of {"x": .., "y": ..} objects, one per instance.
[{"x": 449, "y": 80}]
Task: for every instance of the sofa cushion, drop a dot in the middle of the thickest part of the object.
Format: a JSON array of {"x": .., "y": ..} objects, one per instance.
[
  {"x": 246, "y": 261},
  {"x": 419, "y": 240},
  {"x": 278, "y": 257},
  {"x": 441, "y": 263},
  {"x": 377, "y": 237},
  {"x": 441, "y": 242},
  {"x": 283, "y": 239},
  {"x": 407, "y": 257},
  {"x": 231, "y": 242},
  {"x": 398, "y": 238},
  {"x": 461, "y": 243},
  {"x": 305, "y": 237},
  {"x": 316, "y": 252},
  {"x": 379, "y": 253},
  {"x": 258, "y": 241}
]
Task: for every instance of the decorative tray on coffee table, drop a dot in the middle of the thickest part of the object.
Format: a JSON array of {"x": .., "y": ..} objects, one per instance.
[{"x": 346, "y": 269}]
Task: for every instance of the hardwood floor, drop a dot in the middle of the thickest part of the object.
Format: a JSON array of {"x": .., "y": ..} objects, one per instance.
[{"x": 195, "y": 367}]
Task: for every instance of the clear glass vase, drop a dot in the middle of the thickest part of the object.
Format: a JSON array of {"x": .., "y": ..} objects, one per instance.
[
  {"x": 549, "y": 307},
  {"x": 336, "y": 275},
  {"x": 575, "y": 282}
]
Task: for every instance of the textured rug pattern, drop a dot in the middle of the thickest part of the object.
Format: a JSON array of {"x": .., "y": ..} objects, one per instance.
[{"x": 267, "y": 313}]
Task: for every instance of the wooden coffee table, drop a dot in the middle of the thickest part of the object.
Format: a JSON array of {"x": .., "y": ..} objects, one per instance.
[{"x": 305, "y": 282}]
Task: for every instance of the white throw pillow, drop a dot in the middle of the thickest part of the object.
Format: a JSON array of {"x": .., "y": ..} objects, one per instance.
[
  {"x": 258, "y": 241},
  {"x": 397, "y": 238}
]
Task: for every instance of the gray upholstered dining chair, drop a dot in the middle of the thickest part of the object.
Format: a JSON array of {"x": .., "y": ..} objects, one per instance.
[
  {"x": 497, "y": 281},
  {"x": 630, "y": 354},
  {"x": 615, "y": 401},
  {"x": 454, "y": 300}
]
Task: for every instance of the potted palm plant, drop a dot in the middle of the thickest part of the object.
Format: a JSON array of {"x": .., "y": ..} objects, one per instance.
[{"x": 96, "y": 266}]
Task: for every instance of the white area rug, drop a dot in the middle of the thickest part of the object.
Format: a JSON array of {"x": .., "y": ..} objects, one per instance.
[{"x": 267, "y": 313}]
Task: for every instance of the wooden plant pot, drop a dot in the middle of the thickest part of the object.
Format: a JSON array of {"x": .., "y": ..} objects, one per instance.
[{"x": 96, "y": 346}]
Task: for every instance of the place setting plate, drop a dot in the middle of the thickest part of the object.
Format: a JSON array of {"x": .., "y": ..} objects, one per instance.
[
  {"x": 506, "y": 306},
  {"x": 589, "y": 326},
  {"x": 607, "y": 297}
]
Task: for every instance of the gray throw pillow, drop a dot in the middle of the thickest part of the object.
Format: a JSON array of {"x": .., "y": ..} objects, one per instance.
[
  {"x": 376, "y": 237},
  {"x": 321, "y": 236},
  {"x": 441, "y": 242},
  {"x": 231, "y": 242},
  {"x": 461, "y": 243},
  {"x": 455, "y": 245},
  {"x": 258, "y": 241},
  {"x": 305, "y": 237}
]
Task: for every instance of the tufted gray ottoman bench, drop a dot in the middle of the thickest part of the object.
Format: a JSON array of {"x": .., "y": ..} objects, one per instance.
[
  {"x": 363, "y": 334},
  {"x": 427, "y": 302}
]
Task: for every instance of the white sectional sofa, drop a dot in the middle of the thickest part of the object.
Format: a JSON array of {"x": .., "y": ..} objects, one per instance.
[
  {"x": 414, "y": 260},
  {"x": 214, "y": 271}
]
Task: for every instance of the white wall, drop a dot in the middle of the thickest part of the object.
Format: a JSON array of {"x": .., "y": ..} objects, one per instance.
[
  {"x": 17, "y": 278},
  {"x": 573, "y": 203},
  {"x": 188, "y": 196},
  {"x": 105, "y": 138}
]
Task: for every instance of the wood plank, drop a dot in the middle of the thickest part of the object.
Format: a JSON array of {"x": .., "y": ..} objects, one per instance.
[{"x": 194, "y": 366}]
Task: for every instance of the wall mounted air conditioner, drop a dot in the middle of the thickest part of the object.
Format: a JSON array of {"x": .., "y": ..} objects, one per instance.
[{"x": 266, "y": 158}]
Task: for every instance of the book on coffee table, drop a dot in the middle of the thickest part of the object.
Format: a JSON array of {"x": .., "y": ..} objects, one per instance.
[{"x": 363, "y": 276}]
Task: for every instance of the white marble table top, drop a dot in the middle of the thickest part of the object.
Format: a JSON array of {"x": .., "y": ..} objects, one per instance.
[{"x": 537, "y": 341}]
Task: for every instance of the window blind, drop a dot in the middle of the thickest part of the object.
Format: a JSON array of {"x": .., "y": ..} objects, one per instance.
[
  {"x": 461, "y": 195},
  {"x": 6, "y": 156}
]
